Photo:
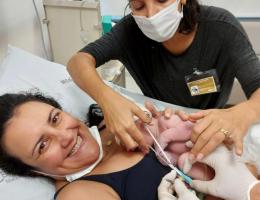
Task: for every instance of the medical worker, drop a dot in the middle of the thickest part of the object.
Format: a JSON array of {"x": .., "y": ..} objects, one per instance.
[
  {"x": 179, "y": 52},
  {"x": 232, "y": 181}
]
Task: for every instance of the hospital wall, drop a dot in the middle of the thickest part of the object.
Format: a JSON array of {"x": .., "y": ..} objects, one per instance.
[
  {"x": 18, "y": 18},
  {"x": 19, "y": 25},
  {"x": 238, "y": 7},
  {"x": 113, "y": 7}
]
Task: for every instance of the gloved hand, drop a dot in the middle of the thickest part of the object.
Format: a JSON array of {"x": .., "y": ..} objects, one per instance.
[
  {"x": 169, "y": 184},
  {"x": 232, "y": 179}
]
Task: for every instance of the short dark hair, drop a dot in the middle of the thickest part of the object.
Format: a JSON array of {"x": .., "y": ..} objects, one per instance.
[
  {"x": 190, "y": 16},
  {"x": 8, "y": 104}
]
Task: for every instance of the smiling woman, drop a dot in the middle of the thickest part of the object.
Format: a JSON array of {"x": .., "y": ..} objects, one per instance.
[
  {"x": 8, "y": 105},
  {"x": 53, "y": 141},
  {"x": 38, "y": 138}
]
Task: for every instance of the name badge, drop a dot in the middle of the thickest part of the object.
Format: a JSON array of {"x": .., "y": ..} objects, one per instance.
[{"x": 200, "y": 83}]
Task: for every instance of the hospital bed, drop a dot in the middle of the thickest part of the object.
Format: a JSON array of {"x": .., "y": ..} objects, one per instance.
[{"x": 21, "y": 71}]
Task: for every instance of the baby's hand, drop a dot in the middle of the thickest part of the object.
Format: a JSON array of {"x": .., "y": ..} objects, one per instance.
[{"x": 167, "y": 113}]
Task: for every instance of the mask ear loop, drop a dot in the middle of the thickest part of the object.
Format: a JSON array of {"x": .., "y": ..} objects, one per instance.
[{"x": 50, "y": 175}]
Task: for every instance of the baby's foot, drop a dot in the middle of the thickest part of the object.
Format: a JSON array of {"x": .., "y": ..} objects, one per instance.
[{"x": 197, "y": 171}]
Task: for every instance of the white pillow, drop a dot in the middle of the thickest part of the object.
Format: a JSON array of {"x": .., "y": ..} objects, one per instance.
[
  {"x": 22, "y": 71},
  {"x": 13, "y": 187}
]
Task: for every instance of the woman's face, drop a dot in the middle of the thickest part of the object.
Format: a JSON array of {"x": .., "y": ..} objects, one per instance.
[
  {"x": 49, "y": 139},
  {"x": 148, "y": 8}
]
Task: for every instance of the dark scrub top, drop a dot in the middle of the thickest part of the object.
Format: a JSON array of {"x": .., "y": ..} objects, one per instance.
[{"x": 220, "y": 43}]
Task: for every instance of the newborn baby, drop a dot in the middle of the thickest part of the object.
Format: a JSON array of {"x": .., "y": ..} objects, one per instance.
[{"x": 173, "y": 135}]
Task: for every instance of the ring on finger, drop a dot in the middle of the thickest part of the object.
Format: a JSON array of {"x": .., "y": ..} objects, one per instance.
[{"x": 225, "y": 132}]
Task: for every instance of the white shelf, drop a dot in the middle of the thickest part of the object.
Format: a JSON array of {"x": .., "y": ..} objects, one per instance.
[
  {"x": 74, "y": 4},
  {"x": 72, "y": 25}
]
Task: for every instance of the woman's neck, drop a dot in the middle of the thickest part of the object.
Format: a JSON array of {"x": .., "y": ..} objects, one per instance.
[
  {"x": 110, "y": 147},
  {"x": 180, "y": 42}
]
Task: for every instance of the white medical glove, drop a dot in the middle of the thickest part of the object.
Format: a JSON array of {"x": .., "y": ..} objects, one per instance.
[
  {"x": 169, "y": 184},
  {"x": 232, "y": 179},
  {"x": 183, "y": 192}
]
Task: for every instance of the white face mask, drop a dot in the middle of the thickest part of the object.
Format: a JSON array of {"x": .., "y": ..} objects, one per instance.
[
  {"x": 163, "y": 25},
  {"x": 71, "y": 177},
  {"x": 95, "y": 133}
]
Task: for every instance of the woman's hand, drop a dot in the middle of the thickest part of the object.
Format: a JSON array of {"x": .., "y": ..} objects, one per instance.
[
  {"x": 218, "y": 125},
  {"x": 119, "y": 115},
  {"x": 171, "y": 184}
]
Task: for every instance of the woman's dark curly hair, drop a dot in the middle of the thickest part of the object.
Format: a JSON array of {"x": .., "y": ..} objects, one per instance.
[
  {"x": 8, "y": 105},
  {"x": 190, "y": 16}
]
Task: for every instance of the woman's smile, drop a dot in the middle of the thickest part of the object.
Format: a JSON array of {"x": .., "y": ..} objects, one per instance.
[{"x": 76, "y": 147}]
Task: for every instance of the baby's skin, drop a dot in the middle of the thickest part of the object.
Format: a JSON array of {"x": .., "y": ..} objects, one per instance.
[{"x": 173, "y": 134}]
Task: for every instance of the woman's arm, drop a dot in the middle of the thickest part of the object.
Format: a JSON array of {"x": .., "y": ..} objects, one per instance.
[
  {"x": 255, "y": 192},
  {"x": 217, "y": 124},
  {"x": 87, "y": 190},
  {"x": 82, "y": 68},
  {"x": 208, "y": 132},
  {"x": 118, "y": 111}
]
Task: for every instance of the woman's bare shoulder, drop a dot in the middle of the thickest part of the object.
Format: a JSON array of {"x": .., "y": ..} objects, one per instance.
[{"x": 87, "y": 190}]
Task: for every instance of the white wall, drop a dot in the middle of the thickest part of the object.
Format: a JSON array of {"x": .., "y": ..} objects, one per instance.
[
  {"x": 113, "y": 7},
  {"x": 3, "y": 34},
  {"x": 240, "y": 8},
  {"x": 19, "y": 24},
  {"x": 18, "y": 18},
  {"x": 237, "y": 7}
]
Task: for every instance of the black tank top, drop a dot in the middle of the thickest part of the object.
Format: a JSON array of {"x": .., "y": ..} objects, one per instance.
[{"x": 139, "y": 182}]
